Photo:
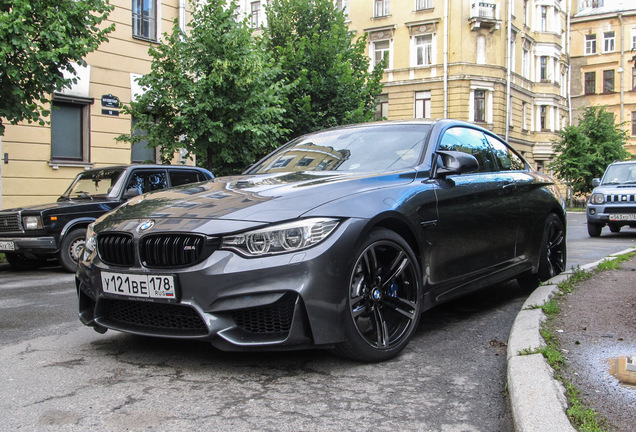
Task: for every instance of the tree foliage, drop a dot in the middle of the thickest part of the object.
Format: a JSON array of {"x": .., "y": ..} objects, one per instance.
[
  {"x": 211, "y": 93},
  {"x": 585, "y": 150},
  {"x": 39, "y": 39},
  {"x": 325, "y": 69}
]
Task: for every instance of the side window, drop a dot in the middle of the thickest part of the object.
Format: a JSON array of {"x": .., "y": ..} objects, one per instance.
[
  {"x": 507, "y": 159},
  {"x": 470, "y": 141},
  {"x": 148, "y": 181},
  {"x": 181, "y": 177}
]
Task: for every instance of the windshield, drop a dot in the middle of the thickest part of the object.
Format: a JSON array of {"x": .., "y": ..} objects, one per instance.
[
  {"x": 358, "y": 149},
  {"x": 620, "y": 174},
  {"x": 93, "y": 183}
]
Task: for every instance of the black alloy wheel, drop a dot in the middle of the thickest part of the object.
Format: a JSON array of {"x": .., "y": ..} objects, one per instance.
[
  {"x": 553, "y": 250},
  {"x": 384, "y": 299}
]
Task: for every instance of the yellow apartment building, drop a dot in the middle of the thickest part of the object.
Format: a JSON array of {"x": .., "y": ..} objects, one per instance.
[
  {"x": 603, "y": 59},
  {"x": 39, "y": 162}
]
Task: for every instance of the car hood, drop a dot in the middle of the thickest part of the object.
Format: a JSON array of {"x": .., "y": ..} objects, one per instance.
[
  {"x": 240, "y": 202},
  {"x": 78, "y": 206},
  {"x": 627, "y": 190}
]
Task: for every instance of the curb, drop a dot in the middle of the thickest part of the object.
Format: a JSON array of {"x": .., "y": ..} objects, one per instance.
[{"x": 537, "y": 399}]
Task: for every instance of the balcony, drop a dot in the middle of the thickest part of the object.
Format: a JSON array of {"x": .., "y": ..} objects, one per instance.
[{"x": 484, "y": 16}]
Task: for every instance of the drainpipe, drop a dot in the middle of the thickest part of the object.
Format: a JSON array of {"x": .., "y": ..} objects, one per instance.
[
  {"x": 569, "y": 64},
  {"x": 182, "y": 19},
  {"x": 446, "y": 58},
  {"x": 508, "y": 68},
  {"x": 621, "y": 69}
]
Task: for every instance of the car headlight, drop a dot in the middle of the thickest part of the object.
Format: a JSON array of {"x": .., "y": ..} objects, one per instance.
[
  {"x": 91, "y": 242},
  {"x": 287, "y": 237},
  {"x": 597, "y": 198},
  {"x": 32, "y": 222}
]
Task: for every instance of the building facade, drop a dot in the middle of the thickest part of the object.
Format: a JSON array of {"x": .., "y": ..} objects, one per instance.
[
  {"x": 603, "y": 60},
  {"x": 39, "y": 162}
]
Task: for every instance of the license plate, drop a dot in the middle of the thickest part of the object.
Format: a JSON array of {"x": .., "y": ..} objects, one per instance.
[
  {"x": 137, "y": 285},
  {"x": 623, "y": 217},
  {"x": 7, "y": 246}
]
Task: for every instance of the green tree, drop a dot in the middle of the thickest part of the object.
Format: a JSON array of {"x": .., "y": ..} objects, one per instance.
[
  {"x": 39, "y": 39},
  {"x": 585, "y": 150},
  {"x": 211, "y": 93},
  {"x": 325, "y": 68}
]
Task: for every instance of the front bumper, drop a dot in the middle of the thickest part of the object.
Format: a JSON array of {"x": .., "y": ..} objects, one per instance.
[
  {"x": 34, "y": 245},
  {"x": 276, "y": 302},
  {"x": 604, "y": 214}
]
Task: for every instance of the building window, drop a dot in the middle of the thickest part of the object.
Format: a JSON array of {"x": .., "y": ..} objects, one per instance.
[
  {"x": 424, "y": 50},
  {"x": 543, "y": 117},
  {"x": 543, "y": 68},
  {"x": 255, "y": 14},
  {"x": 144, "y": 19},
  {"x": 634, "y": 78},
  {"x": 423, "y": 104},
  {"x": 480, "y": 106},
  {"x": 381, "y": 52},
  {"x": 608, "y": 81},
  {"x": 343, "y": 5},
  {"x": 633, "y": 123},
  {"x": 382, "y": 108},
  {"x": 423, "y": 4},
  {"x": 141, "y": 152},
  {"x": 590, "y": 82},
  {"x": 524, "y": 116},
  {"x": 633, "y": 39},
  {"x": 70, "y": 129},
  {"x": 590, "y": 44},
  {"x": 526, "y": 17},
  {"x": 382, "y": 8},
  {"x": 609, "y": 40},
  {"x": 544, "y": 18}
]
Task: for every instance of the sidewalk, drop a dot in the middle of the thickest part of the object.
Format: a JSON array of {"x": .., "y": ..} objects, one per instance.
[{"x": 537, "y": 399}]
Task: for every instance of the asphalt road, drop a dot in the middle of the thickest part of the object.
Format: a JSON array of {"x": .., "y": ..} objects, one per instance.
[{"x": 58, "y": 375}]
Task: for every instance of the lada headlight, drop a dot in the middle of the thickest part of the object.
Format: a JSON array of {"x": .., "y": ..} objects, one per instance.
[
  {"x": 32, "y": 222},
  {"x": 277, "y": 239},
  {"x": 597, "y": 198}
]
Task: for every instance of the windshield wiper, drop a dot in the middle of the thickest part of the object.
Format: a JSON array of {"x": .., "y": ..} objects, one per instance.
[{"x": 83, "y": 194}]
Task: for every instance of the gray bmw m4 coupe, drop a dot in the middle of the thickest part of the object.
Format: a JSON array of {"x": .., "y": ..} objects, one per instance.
[{"x": 340, "y": 240}]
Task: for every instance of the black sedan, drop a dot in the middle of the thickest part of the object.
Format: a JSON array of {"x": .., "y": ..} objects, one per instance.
[{"x": 339, "y": 239}]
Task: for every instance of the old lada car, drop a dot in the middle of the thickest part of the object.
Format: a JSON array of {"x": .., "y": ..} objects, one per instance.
[
  {"x": 613, "y": 200},
  {"x": 31, "y": 235}
]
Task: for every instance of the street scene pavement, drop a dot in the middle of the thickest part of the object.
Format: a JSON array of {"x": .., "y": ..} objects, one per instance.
[{"x": 59, "y": 375}]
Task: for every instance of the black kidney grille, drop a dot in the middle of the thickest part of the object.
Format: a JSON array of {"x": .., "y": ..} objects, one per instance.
[
  {"x": 116, "y": 249},
  {"x": 274, "y": 318},
  {"x": 151, "y": 318},
  {"x": 171, "y": 250}
]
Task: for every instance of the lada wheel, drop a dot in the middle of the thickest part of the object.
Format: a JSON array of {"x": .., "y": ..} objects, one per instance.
[
  {"x": 20, "y": 262},
  {"x": 383, "y": 298},
  {"x": 72, "y": 247}
]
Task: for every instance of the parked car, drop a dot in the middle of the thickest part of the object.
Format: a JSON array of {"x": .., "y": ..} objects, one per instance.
[
  {"x": 339, "y": 239},
  {"x": 613, "y": 200},
  {"x": 31, "y": 235}
]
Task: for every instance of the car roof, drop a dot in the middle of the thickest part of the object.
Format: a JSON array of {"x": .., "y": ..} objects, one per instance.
[{"x": 146, "y": 166}]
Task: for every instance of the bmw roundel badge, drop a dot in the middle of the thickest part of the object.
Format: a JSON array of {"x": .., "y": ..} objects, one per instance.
[{"x": 146, "y": 225}]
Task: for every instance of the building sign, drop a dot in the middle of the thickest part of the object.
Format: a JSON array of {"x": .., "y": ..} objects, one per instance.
[{"x": 108, "y": 103}]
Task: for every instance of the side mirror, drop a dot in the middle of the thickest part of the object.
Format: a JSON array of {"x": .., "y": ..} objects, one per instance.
[
  {"x": 454, "y": 162},
  {"x": 131, "y": 192},
  {"x": 596, "y": 182}
]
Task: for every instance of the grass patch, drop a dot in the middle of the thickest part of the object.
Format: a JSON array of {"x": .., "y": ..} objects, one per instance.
[
  {"x": 583, "y": 419},
  {"x": 3, "y": 258}
]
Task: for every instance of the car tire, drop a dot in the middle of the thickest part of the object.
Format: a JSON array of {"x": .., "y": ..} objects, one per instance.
[
  {"x": 20, "y": 262},
  {"x": 553, "y": 249},
  {"x": 615, "y": 228},
  {"x": 594, "y": 229},
  {"x": 71, "y": 249},
  {"x": 384, "y": 299}
]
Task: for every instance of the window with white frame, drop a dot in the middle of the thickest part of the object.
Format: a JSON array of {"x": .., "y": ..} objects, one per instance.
[
  {"x": 525, "y": 60},
  {"x": 424, "y": 50},
  {"x": 255, "y": 14},
  {"x": 423, "y": 4},
  {"x": 479, "y": 113},
  {"x": 543, "y": 68},
  {"x": 544, "y": 19},
  {"x": 524, "y": 115},
  {"x": 543, "y": 118},
  {"x": 422, "y": 104},
  {"x": 590, "y": 44},
  {"x": 633, "y": 39},
  {"x": 144, "y": 19},
  {"x": 381, "y": 51},
  {"x": 381, "y": 8},
  {"x": 609, "y": 41},
  {"x": 343, "y": 5}
]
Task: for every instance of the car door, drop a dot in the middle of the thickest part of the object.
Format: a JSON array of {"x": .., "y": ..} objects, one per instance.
[
  {"x": 147, "y": 180},
  {"x": 477, "y": 213}
]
